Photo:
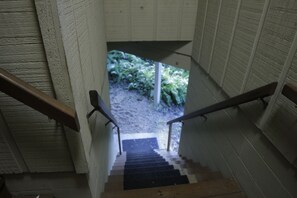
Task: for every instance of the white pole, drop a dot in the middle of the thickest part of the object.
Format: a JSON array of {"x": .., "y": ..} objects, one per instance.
[{"x": 157, "y": 88}]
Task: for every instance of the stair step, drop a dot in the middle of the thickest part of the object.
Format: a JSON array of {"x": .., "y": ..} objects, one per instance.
[
  {"x": 150, "y": 161},
  {"x": 115, "y": 178},
  {"x": 145, "y": 161},
  {"x": 166, "y": 181},
  {"x": 120, "y": 178},
  {"x": 136, "y": 171},
  {"x": 133, "y": 159},
  {"x": 114, "y": 186},
  {"x": 224, "y": 188},
  {"x": 151, "y": 175},
  {"x": 117, "y": 172},
  {"x": 148, "y": 169},
  {"x": 140, "y": 166},
  {"x": 145, "y": 165}
]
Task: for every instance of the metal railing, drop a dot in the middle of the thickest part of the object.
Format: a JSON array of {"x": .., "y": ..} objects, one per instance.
[
  {"x": 29, "y": 95},
  {"x": 255, "y": 94},
  {"x": 100, "y": 106}
]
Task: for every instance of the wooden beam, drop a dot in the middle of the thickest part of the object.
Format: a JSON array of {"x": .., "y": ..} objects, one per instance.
[{"x": 29, "y": 95}]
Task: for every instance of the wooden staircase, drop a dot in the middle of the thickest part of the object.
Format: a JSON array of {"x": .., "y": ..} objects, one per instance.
[{"x": 202, "y": 182}]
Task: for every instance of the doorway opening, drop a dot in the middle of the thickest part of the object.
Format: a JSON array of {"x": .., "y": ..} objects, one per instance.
[{"x": 145, "y": 95}]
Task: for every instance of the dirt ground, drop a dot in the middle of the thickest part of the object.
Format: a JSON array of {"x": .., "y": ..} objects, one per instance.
[{"x": 135, "y": 113}]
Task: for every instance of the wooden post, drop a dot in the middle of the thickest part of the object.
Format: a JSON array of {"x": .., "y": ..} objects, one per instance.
[
  {"x": 157, "y": 88},
  {"x": 169, "y": 136}
]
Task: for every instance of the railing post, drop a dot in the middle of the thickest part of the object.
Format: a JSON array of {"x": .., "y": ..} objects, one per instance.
[
  {"x": 119, "y": 140},
  {"x": 169, "y": 136}
]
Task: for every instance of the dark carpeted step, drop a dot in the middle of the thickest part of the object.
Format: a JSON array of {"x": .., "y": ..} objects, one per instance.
[
  {"x": 151, "y": 161},
  {"x": 151, "y": 175},
  {"x": 143, "y": 159},
  {"x": 142, "y": 156},
  {"x": 149, "y": 169},
  {"x": 142, "y": 153},
  {"x": 155, "y": 183},
  {"x": 146, "y": 165}
]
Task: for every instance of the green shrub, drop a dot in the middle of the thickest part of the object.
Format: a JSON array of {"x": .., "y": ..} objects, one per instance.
[{"x": 139, "y": 74}]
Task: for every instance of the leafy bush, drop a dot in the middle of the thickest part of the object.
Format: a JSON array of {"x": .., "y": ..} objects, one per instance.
[{"x": 140, "y": 73}]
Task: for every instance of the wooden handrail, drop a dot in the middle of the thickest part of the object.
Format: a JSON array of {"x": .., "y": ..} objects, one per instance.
[
  {"x": 29, "y": 95},
  {"x": 99, "y": 105},
  {"x": 255, "y": 94},
  {"x": 260, "y": 92},
  {"x": 290, "y": 91}
]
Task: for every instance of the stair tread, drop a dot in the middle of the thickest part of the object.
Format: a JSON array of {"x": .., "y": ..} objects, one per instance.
[
  {"x": 148, "y": 169},
  {"x": 140, "y": 166},
  {"x": 220, "y": 188},
  {"x": 116, "y": 178},
  {"x": 150, "y": 183},
  {"x": 150, "y": 175},
  {"x": 146, "y": 164}
]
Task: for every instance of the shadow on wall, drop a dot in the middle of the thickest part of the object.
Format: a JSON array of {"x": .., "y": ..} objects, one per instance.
[{"x": 176, "y": 53}]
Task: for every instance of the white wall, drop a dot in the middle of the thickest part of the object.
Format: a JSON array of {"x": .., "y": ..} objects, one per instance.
[
  {"x": 83, "y": 34},
  {"x": 229, "y": 142},
  {"x": 241, "y": 45},
  {"x": 150, "y": 20}
]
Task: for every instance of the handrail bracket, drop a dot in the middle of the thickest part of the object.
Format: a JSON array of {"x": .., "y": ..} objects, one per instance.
[{"x": 100, "y": 106}]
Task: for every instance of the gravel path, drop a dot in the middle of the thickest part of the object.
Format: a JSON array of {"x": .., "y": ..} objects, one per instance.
[{"x": 136, "y": 113}]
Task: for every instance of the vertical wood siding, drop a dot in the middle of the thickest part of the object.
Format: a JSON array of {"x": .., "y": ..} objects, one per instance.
[
  {"x": 150, "y": 20},
  {"x": 262, "y": 160}
]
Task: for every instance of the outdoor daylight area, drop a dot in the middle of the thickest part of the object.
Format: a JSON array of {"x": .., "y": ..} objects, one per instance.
[{"x": 132, "y": 88}]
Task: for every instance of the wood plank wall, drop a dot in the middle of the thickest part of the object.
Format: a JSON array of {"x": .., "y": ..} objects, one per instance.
[
  {"x": 255, "y": 44},
  {"x": 83, "y": 35},
  {"x": 150, "y": 20},
  {"x": 40, "y": 141}
]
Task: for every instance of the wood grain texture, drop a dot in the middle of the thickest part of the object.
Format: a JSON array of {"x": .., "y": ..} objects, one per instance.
[
  {"x": 117, "y": 17},
  {"x": 209, "y": 32},
  {"x": 260, "y": 92},
  {"x": 227, "y": 17},
  {"x": 144, "y": 20},
  {"x": 199, "y": 27},
  {"x": 8, "y": 161},
  {"x": 168, "y": 19},
  {"x": 247, "y": 26},
  {"x": 22, "y": 54},
  {"x": 47, "y": 13},
  {"x": 274, "y": 44},
  {"x": 259, "y": 159},
  {"x": 38, "y": 100},
  {"x": 231, "y": 143},
  {"x": 188, "y": 13},
  {"x": 84, "y": 39}
]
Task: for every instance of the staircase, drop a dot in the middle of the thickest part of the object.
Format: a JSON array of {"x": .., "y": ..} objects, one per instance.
[{"x": 152, "y": 173}]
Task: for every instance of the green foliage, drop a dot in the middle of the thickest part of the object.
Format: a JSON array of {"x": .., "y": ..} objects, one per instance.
[{"x": 139, "y": 74}]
